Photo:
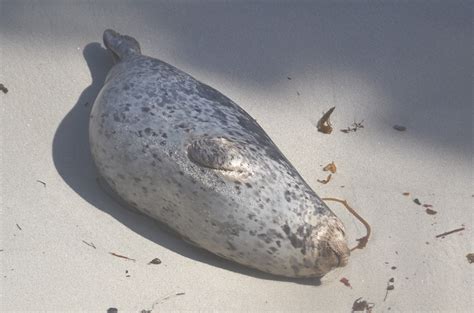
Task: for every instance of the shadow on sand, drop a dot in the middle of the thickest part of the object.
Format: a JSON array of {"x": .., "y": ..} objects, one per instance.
[{"x": 74, "y": 163}]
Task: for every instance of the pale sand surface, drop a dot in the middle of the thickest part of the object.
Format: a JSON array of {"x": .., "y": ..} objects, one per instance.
[{"x": 386, "y": 64}]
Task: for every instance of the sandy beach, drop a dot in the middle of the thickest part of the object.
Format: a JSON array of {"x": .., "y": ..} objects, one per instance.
[{"x": 286, "y": 63}]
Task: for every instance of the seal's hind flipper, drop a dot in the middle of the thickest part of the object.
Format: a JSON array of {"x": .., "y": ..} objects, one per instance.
[{"x": 218, "y": 153}]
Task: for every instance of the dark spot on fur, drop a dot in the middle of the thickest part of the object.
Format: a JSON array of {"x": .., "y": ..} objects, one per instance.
[
  {"x": 145, "y": 109},
  {"x": 265, "y": 238},
  {"x": 231, "y": 246},
  {"x": 251, "y": 216},
  {"x": 278, "y": 243},
  {"x": 248, "y": 185},
  {"x": 287, "y": 196}
]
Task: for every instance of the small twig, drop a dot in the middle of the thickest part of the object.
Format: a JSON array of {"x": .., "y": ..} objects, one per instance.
[
  {"x": 166, "y": 298},
  {"x": 42, "y": 182},
  {"x": 18, "y": 227},
  {"x": 450, "y": 232},
  {"x": 122, "y": 256},
  {"x": 324, "y": 125},
  {"x": 89, "y": 244},
  {"x": 362, "y": 241}
]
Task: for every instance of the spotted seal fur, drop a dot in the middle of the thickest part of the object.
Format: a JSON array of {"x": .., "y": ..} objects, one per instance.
[{"x": 183, "y": 153}]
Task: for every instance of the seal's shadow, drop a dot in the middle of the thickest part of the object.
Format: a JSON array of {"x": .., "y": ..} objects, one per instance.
[{"x": 74, "y": 163}]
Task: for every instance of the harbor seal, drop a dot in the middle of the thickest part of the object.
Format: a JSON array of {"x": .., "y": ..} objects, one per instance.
[{"x": 181, "y": 152}]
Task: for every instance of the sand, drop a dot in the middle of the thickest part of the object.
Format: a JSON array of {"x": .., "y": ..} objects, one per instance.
[{"x": 285, "y": 63}]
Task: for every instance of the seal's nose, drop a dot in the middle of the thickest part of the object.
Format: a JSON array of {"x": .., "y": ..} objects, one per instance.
[{"x": 341, "y": 250}]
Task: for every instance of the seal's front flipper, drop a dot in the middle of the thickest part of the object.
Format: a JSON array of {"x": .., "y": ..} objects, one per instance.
[{"x": 218, "y": 153}]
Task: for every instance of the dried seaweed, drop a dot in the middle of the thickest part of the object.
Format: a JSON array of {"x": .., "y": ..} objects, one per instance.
[
  {"x": 362, "y": 242},
  {"x": 325, "y": 181},
  {"x": 354, "y": 127},
  {"x": 331, "y": 167},
  {"x": 324, "y": 124},
  {"x": 346, "y": 282},
  {"x": 360, "y": 305}
]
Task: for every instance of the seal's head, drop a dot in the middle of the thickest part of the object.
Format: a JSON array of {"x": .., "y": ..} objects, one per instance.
[
  {"x": 332, "y": 246},
  {"x": 121, "y": 46}
]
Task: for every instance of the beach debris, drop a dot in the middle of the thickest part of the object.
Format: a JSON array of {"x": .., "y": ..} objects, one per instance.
[
  {"x": 430, "y": 211},
  {"x": 399, "y": 128},
  {"x": 346, "y": 282},
  {"x": 41, "y": 182},
  {"x": 18, "y": 226},
  {"x": 406, "y": 193},
  {"x": 3, "y": 88},
  {"x": 390, "y": 286},
  {"x": 354, "y": 127},
  {"x": 86, "y": 104},
  {"x": 112, "y": 310},
  {"x": 90, "y": 244},
  {"x": 393, "y": 267},
  {"x": 126, "y": 273},
  {"x": 155, "y": 261},
  {"x": 470, "y": 258},
  {"x": 362, "y": 242},
  {"x": 289, "y": 78},
  {"x": 176, "y": 294},
  {"x": 121, "y": 256},
  {"x": 331, "y": 167},
  {"x": 417, "y": 201},
  {"x": 427, "y": 206},
  {"x": 360, "y": 305},
  {"x": 325, "y": 181},
  {"x": 324, "y": 125},
  {"x": 450, "y": 232}
]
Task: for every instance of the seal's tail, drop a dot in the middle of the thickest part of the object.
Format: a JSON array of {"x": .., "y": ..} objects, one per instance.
[{"x": 122, "y": 46}]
